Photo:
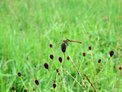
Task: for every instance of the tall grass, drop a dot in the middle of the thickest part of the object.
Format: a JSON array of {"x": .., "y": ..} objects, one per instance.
[{"x": 28, "y": 27}]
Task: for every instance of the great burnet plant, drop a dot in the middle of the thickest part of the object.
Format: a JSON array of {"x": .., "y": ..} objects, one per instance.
[{"x": 64, "y": 46}]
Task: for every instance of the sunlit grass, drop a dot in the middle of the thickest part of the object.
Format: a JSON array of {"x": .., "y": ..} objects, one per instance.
[{"x": 28, "y": 27}]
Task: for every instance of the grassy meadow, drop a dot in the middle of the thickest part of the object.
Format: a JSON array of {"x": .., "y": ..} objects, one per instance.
[{"x": 31, "y": 36}]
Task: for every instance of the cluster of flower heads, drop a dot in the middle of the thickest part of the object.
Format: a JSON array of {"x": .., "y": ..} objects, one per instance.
[
  {"x": 63, "y": 49},
  {"x": 46, "y": 65},
  {"x": 51, "y": 56},
  {"x": 19, "y": 74}
]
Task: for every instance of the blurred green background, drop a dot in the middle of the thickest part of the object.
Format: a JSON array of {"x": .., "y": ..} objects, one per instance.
[{"x": 27, "y": 27}]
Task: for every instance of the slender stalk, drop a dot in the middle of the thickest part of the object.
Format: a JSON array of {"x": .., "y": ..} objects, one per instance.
[
  {"x": 63, "y": 74},
  {"x": 74, "y": 79},
  {"x": 76, "y": 68},
  {"x": 90, "y": 83}
]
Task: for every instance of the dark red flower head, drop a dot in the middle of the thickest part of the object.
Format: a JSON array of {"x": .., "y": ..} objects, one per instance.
[
  {"x": 84, "y": 54},
  {"x": 89, "y": 48},
  {"x": 51, "y": 56},
  {"x": 63, "y": 47},
  {"x": 19, "y": 74},
  {"x": 99, "y": 61},
  {"x": 68, "y": 58},
  {"x": 51, "y": 45},
  {"x": 54, "y": 85},
  {"x": 36, "y": 82},
  {"x": 120, "y": 68},
  {"x": 46, "y": 65},
  {"x": 111, "y": 53},
  {"x": 60, "y": 59}
]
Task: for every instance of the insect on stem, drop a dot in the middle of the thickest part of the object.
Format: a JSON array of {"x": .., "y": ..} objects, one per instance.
[{"x": 67, "y": 40}]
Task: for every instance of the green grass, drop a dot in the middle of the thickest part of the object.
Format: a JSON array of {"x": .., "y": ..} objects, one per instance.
[{"x": 27, "y": 27}]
